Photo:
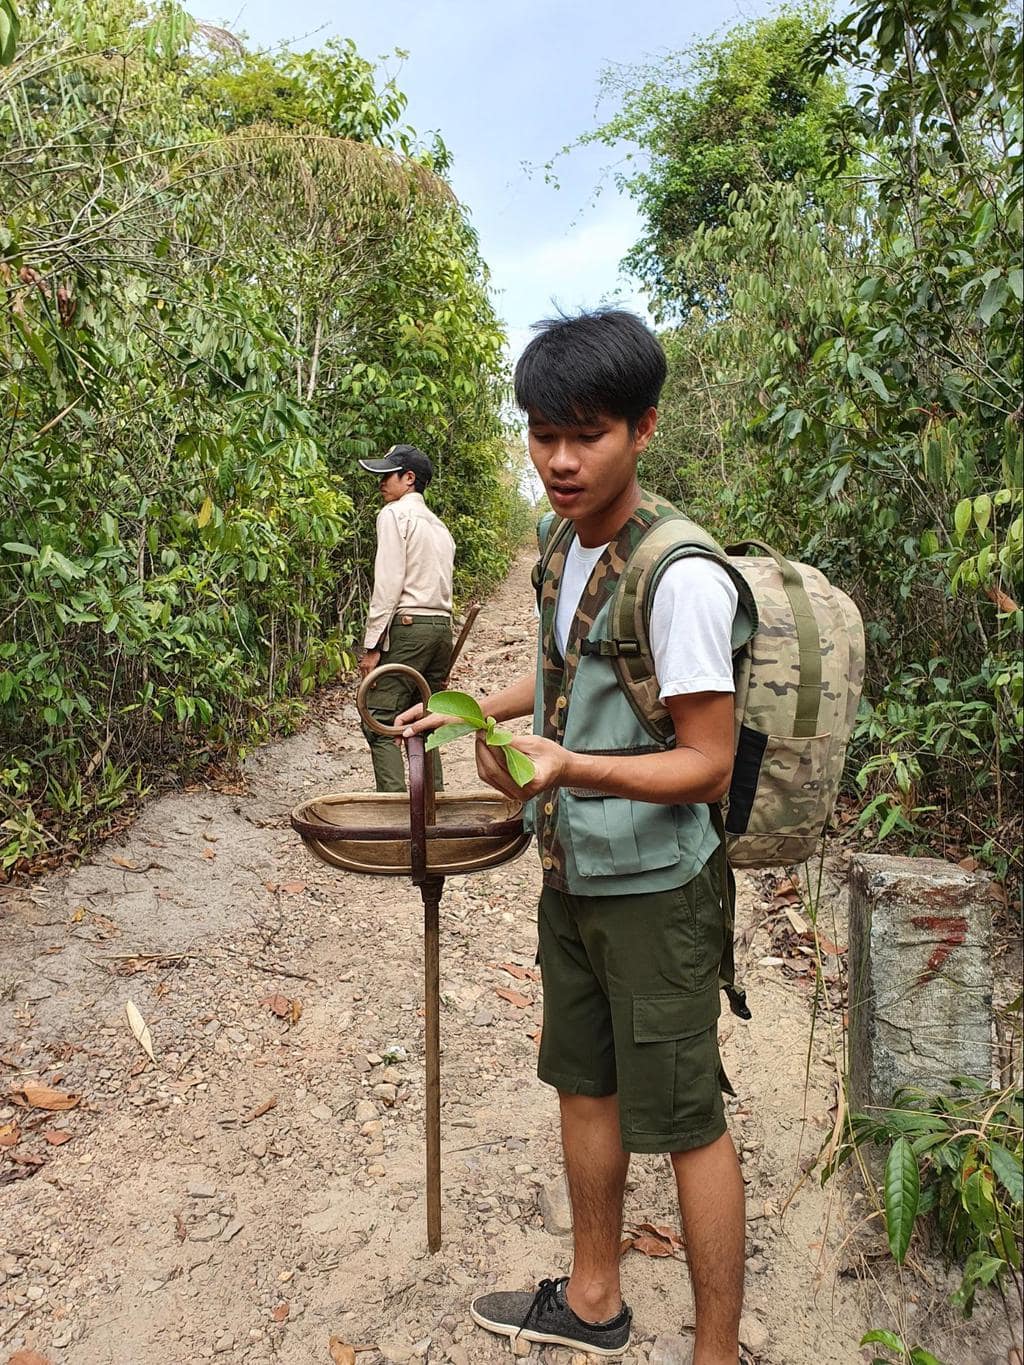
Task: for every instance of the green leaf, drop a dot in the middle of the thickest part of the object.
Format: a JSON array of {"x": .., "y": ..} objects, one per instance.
[
  {"x": 17, "y": 547},
  {"x": 978, "y": 1198},
  {"x": 902, "y": 1185},
  {"x": 929, "y": 544},
  {"x": 1007, "y": 1168},
  {"x": 877, "y": 383},
  {"x": 878, "y": 1336},
  {"x": 919, "y": 1356},
  {"x": 982, "y": 512},
  {"x": 520, "y": 768},
  {"x": 444, "y": 734},
  {"x": 499, "y": 737},
  {"x": 962, "y": 516},
  {"x": 9, "y": 29},
  {"x": 993, "y": 299},
  {"x": 459, "y": 704},
  {"x": 794, "y": 423}
]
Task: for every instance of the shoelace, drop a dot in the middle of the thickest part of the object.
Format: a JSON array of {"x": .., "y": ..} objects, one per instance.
[{"x": 545, "y": 1299}]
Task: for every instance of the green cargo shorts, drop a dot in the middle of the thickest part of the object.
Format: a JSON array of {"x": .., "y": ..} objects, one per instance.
[{"x": 631, "y": 1004}]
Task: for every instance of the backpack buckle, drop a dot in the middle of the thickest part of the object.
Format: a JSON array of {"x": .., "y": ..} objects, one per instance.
[{"x": 611, "y": 649}]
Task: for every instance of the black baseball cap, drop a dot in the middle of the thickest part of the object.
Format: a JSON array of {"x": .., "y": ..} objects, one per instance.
[{"x": 400, "y": 458}]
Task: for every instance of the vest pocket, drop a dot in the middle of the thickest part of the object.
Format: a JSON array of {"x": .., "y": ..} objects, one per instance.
[{"x": 611, "y": 835}]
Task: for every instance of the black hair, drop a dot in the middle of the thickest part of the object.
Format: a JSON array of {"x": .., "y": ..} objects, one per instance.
[
  {"x": 600, "y": 363},
  {"x": 421, "y": 480}
]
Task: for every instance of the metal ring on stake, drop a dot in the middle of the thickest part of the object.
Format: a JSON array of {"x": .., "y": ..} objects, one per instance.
[{"x": 392, "y": 731}]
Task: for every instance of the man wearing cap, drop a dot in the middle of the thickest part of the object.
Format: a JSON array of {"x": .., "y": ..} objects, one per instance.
[{"x": 410, "y": 619}]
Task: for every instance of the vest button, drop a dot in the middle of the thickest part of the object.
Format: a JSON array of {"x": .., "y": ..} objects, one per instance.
[
  {"x": 549, "y": 808},
  {"x": 546, "y": 862}
]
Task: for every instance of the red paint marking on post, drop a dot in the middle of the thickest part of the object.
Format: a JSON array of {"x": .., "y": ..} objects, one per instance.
[{"x": 952, "y": 928}]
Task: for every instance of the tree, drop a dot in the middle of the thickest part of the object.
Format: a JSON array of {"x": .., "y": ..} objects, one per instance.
[
  {"x": 858, "y": 400},
  {"x": 204, "y": 321},
  {"x": 729, "y": 112}
]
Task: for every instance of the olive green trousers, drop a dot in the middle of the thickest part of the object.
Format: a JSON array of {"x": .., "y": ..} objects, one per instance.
[{"x": 423, "y": 643}]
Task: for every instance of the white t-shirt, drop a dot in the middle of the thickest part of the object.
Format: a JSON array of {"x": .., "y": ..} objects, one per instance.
[{"x": 691, "y": 620}]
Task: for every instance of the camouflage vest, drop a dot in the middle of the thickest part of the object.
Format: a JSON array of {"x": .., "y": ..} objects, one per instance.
[{"x": 590, "y": 843}]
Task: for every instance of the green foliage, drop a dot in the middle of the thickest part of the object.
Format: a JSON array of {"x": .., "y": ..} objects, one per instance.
[
  {"x": 853, "y": 395},
  {"x": 912, "y": 1355},
  {"x": 958, "y": 1159},
  {"x": 731, "y": 111},
  {"x": 902, "y": 1190},
  {"x": 204, "y": 322},
  {"x": 333, "y": 88},
  {"x": 471, "y": 719},
  {"x": 10, "y": 26}
]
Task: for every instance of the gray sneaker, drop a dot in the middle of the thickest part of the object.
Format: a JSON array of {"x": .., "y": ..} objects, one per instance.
[{"x": 545, "y": 1316}]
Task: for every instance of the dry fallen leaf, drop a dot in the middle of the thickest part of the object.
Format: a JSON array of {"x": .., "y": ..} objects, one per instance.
[
  {"x": 295, "y": 1011},
  {"x": 209, "y": 853},
  {"x": 341, "y": 1352},
  {"x": 261, "y": 1109},
  {"x": 800, "y": 925},
  {"x": 520, "y": 973},
  {"x": 292, "y": 888},
  {"x": 513, "y": 997},
  {"x": 786, "y": 895},
  {"x": 124, "y": 862},
  {"x": 278, "y": 1003},
  {"x": 56, "y": 1136},
  {"x": 28, "y": 1159},
  {"x": 652, "y": 1240},
  {"x": 34, "y": 1095},
  {"x": 27, "y": 1357},
  {"x": 281, "y": 1311},
  {"x": 141, "y": 1030},
  {"x": 1002, "y": 602},
  {"x": 10, "y": 1134},
  {"x": 180, "y": 1230}
]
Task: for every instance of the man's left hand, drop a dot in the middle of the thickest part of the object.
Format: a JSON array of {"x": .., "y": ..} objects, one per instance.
[
  {"x": 549, "y": 759},
  {"x": 369, "y": 662}
]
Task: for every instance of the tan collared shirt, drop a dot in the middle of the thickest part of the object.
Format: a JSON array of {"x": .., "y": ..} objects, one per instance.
[{"x": 413, "y": 569}]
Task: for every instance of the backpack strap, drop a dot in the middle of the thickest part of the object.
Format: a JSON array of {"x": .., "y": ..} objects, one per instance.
[
  {"x": 669, "y": 539},
  {"x": 808, "y": 697},
  {"x": 736, "y": 996},
  {"x": 551, "y": 531}
]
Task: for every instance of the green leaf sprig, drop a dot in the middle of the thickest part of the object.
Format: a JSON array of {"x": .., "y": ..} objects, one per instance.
[{"x": 471, "y": 718}]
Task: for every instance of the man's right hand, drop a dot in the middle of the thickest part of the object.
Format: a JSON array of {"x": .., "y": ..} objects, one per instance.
[{"x": 416, "y": 723}]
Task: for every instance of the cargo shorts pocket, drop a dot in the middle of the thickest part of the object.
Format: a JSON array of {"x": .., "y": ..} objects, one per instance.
[{"x": 675, "y": 1080}]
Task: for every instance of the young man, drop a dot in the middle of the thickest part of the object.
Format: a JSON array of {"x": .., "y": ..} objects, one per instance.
[
  {"x": 410, "y": 618},
  {"x": 630, "y": 920}
]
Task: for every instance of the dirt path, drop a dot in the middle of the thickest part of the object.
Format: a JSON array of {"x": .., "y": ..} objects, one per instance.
[{"x": 260, "y": 1188}]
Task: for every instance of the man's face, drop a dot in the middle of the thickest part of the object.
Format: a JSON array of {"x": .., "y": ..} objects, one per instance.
[
  {"x": 395, "y": 486},
  {"x": 586, "y": 468}
]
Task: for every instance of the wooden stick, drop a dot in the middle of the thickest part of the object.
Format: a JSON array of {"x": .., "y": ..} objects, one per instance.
[{"x": 467, "y": 626}]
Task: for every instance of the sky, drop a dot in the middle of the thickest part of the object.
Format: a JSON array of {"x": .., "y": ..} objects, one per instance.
[{"x": 508, "y": 86}]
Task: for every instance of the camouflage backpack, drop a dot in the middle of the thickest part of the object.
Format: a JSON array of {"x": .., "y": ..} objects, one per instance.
[{"x": 798, "y": 683}]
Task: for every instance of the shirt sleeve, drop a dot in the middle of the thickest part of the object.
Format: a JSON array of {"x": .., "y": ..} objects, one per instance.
[
  {"x": 388, "y": 576},
  {"x": 691, "y": 628}
]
